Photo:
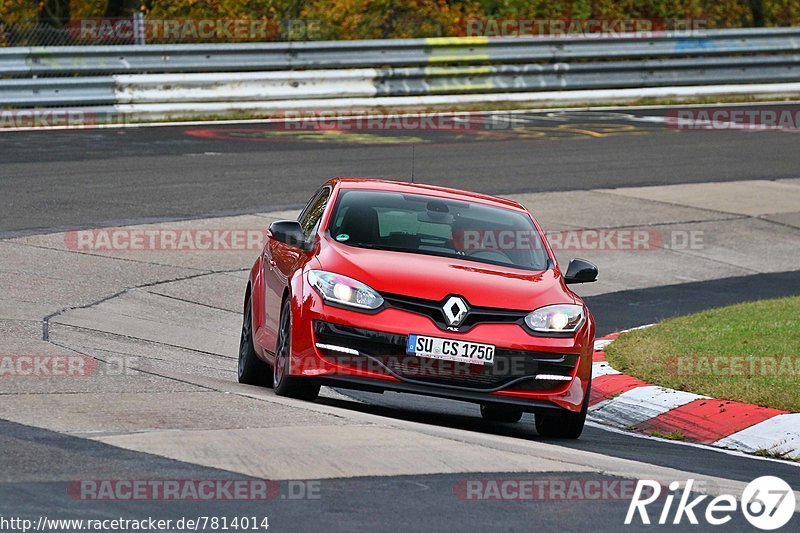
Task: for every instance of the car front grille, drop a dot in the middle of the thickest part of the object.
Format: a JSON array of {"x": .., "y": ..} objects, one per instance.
[
  {"x": 433, "y": 310},
  {"x": 385, "y": 353}
]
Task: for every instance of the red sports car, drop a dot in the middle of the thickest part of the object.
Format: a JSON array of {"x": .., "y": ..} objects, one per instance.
[{"x": 389, "y": 286}]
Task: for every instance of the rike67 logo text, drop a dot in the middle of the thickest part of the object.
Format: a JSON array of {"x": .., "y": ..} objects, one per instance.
[{"x": 767, "y": 502}]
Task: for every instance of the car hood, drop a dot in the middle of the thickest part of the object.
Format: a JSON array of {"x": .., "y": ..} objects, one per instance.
[{"x": 433, "y": 278}]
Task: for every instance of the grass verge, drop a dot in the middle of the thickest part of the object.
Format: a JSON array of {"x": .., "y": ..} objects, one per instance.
[{"x": 748, "y": 352}]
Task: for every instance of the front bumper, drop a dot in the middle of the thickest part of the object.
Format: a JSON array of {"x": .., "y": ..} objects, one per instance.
[
  {"x": 371, "y": 385},
  {"x": 385, "y": 353},
  {"x": 370, "y": 354}
]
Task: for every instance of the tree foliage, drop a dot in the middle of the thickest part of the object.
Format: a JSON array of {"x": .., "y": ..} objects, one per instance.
[{"x": 366, "y": 19}]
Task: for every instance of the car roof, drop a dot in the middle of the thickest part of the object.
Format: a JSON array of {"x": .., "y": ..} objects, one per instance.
[{"x": 422, "y": 188}]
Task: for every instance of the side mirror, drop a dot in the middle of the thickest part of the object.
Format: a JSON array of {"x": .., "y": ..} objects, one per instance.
[
  {"x": 289, "y": 232},
  {"x": 580, "y": 271}
]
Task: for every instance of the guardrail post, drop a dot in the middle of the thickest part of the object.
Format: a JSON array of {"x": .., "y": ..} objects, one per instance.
[{"x": 138, "y": 28}]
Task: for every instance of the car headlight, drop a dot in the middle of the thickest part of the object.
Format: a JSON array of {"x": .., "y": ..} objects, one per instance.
[
  {"x": 343, "y": 290},
  {"x": 563, "y": 318}
]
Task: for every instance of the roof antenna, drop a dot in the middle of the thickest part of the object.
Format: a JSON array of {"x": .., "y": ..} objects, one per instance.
[{"x": 412, "y": 163}]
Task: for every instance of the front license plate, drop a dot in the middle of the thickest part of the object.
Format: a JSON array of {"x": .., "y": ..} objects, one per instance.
[{"x": 450, "y": 350}]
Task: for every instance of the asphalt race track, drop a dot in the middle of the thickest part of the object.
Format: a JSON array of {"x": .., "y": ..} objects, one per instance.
[
  {"x": 186, "y": 418},
  {"x": 396, "y": 504},
  {"x": 105, "y": 177}
]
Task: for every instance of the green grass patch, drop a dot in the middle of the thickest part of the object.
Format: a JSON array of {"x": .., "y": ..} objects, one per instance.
[
  {"x": 776, "y": 454},
  {"x": 784, "y": 455},
  {"x": 669, "y": 435},
  {"x": 748, "y": 352}
]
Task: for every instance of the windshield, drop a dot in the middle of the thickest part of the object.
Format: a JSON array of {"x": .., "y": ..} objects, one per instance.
[{"x": 421, "y": 224}]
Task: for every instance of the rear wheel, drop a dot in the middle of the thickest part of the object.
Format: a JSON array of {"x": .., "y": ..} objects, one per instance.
[
  {"x": 286, "y": 385},
  {"x": 252, "y": 370},
  {"x": 500, "y": 413},
  {"x": 564, "y": 425}
]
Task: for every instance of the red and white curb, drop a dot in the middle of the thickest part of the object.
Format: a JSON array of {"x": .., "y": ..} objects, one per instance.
[{"x": 625, "y": 402}]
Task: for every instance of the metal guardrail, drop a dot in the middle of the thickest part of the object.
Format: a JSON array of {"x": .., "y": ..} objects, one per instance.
[
  {"x": 296, "y": 71},
  {"x": 348, "y": 83},
  {"x": 77, "y": 60},
  {"x": 594, "y": 75},
  {"x": 58, "y": 91}
]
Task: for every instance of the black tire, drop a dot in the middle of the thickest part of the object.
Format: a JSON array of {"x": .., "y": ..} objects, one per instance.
[
  {"x": 500, "y": 413},
  {"x": 564, "y": 425},
  {"x": 251, "y": 369},
  {"x": 286, "y": 385}
]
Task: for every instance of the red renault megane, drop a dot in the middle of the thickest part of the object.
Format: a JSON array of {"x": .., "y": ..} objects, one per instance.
[{"x": 388, "y": 286}]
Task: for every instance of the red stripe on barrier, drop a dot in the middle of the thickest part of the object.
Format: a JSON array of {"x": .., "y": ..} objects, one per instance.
[
  {"x": 707, "y": 421},
  {"x": 610, "y": 385}
]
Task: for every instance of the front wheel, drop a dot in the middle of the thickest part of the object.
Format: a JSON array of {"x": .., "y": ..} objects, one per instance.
[
  {"x": 252, "y": 370},
  {"x": 564, "y": 425},
  {"x": 285, "y": 384}
]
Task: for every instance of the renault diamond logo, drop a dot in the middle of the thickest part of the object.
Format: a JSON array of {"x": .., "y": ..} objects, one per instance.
[{"x": 455, "y": 310}]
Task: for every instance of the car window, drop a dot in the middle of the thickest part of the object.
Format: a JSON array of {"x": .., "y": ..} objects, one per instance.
[
  {"x": 430, "y": 225},
  {"x": 311, "y": 215},
  {"x": 394, "y": 221}
]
